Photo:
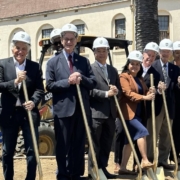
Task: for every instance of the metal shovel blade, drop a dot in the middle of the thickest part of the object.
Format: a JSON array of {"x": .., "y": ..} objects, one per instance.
[
  {"x": 160, "y": 173},
  {"x": 151, "y": 174}
]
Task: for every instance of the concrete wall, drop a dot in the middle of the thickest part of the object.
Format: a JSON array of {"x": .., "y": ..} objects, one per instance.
[{"x": 98, "y": 20}]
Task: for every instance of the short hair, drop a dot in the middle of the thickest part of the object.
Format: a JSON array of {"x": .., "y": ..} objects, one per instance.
[
  {"x": 126, "y": 70},
  {"x": 13, "y": 44}
]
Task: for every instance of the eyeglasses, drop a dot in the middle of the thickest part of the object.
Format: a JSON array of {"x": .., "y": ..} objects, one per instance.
[{"x": 69, "y": 39}]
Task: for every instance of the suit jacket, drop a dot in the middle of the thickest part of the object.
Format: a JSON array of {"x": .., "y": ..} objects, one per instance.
[
  {"x": 10, "y": 93},
  {"x": 64, "y": 94},
  {"x": 172, "y": 85},
  {"x": 130, "y": 96},
  {"x": 156, "y": 76},
  {"x": 101, "y": 106}
]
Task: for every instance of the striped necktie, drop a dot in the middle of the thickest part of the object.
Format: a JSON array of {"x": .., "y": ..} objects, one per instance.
[{"x": 164, "y": 70}]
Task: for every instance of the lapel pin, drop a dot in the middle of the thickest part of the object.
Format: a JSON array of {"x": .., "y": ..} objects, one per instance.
[
  {"x": 171, "y": 70},
  {"x": 76, "y": 60}
]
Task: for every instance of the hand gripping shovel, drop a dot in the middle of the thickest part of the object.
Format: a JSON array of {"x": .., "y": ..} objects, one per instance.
[
  {"x": 96, "y": 174},
  {"x": 33, "y": 132}
]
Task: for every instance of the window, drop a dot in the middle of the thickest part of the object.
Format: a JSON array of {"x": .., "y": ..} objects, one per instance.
[
  {"x": 46, "y": 34},
  {"x": 163, "y": 27},
  {"x": 120, "y": 28},
  {"x": 81, "y": 31}
]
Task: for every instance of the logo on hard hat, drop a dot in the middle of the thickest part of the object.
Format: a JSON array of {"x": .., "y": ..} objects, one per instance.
[
  {"x": 55, "y": 31},
  {"x": 153, "y": 45},
  {"x": 178, "y": 45},
  {"x": 101, "y": 41},
  {"x": 137, "y": 55},
  {"x": 69, "y": 26},
  {"x": 167, "y": 44},
  {"x": 22, "y": 36}
]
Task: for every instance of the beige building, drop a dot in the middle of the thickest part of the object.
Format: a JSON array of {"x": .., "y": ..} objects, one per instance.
[{"x": 107, "y": 18}]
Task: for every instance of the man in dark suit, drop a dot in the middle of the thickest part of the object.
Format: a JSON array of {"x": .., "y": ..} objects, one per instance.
[
  {"x": 63, "y": 73},
  {"x": 176, "y": 120},
  {"x": 150, "y": 51},
  {"x": 13, "y": 116},
  {"x": 102, "y": 103},
  {"x": 169, "y": 75}
]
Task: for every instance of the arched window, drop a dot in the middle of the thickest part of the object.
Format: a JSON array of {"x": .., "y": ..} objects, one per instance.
[
  {"x": 44, "y": 33},
  {"x": 164, "y": 25},
  {"x": 120, "y": 26}
]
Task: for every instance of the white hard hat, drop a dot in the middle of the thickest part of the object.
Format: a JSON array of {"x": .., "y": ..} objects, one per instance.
[
  {"x": 135, "y": 55},
  {"x": 176, "y": 45},
  {"x": 100, "y": 42},
  {"x": 166, "y": 44},
  {"x": 152, "y": 46},
  {"x": 22, "y": 37},
  {"x": 54, "y": 34},
  {"x": 69, "y": 28}
]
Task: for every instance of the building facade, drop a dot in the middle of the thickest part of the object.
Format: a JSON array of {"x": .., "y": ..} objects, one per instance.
[{"x": 99, "y": 18}]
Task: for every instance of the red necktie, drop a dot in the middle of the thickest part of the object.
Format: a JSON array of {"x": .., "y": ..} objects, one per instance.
[{"x": 70, "y": 64}]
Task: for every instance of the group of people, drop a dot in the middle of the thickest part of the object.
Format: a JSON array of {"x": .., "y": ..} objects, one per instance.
[
  {"x": 99, "y": 83},
  {"x": 135, "y": 79}
]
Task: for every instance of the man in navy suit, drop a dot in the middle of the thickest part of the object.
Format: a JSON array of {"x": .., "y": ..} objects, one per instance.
[
  {"x": 13, "y": 116},
  {"x": 169, "y": 74},
  {"x": 63, "y": 73}
]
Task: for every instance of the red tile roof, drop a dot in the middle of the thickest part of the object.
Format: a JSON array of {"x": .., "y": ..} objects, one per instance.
[{"x": 14, "y": 8}]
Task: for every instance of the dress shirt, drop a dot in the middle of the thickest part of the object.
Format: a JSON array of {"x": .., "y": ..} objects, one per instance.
[
  {"x": 67, "y": 55},
  {"x": 145, "y": 70},
  {"x": 19, "y": 67}
]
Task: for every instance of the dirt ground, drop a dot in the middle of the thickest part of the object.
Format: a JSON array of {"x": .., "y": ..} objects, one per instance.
[{"x": 48, "y": 167}]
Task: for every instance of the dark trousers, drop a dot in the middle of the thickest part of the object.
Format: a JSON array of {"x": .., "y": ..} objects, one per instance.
[
  {"x": 102, "y": 135},
  {"x": 176, "y": 137},
  {"x": 10, "y": 134},
  {"x": 70, "y": 138},
  {"x": 119, "y": 142}
]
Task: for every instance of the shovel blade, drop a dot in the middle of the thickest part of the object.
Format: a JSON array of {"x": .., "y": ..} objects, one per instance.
[
  {"x": 151, "y": 174},
  {"x": 160, "y": 173}
]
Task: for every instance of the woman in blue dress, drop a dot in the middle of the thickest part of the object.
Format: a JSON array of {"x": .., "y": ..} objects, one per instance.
[{"x": 132, "y": 103}]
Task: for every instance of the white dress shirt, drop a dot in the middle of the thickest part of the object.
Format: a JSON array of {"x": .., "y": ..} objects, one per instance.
[
  {"x": 145, "y": 70},
  {"x": 19, "y": 67}
]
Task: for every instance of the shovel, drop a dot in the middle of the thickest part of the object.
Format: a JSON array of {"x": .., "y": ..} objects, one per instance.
[
  {"x": 175, "y": 173},
  {"x": 96, "y": 174},
  {"x": 33, "y": 132}
]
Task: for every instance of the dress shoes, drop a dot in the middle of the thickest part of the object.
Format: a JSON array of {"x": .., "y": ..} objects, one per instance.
[
  {"x": 108, "y": 175},
  {"x": 166, "y": 165}
]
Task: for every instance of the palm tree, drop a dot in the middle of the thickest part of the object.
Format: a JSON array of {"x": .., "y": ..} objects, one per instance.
[{"x": 146, "y": 23}]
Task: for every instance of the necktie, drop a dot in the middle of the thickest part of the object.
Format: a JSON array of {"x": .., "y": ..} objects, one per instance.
[
  {"x": 164, "y": 69},
  {"x": 70, "y": 64},
  {"x": 104, "y": 70}
]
